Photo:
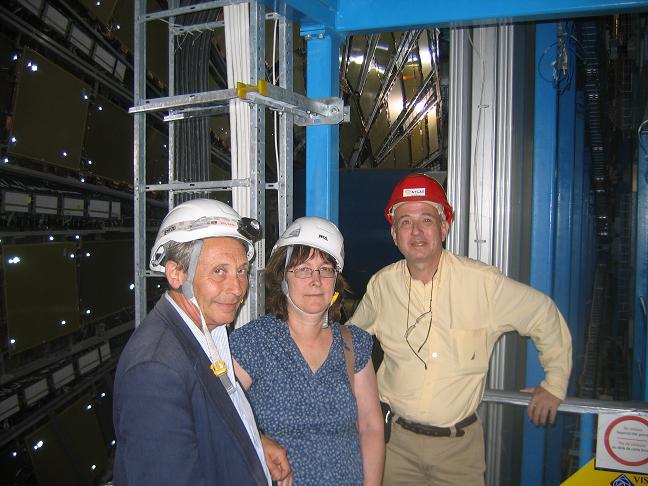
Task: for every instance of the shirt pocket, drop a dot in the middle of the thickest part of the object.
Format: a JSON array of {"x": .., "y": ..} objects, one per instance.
[{"x": 471, "y": 350}]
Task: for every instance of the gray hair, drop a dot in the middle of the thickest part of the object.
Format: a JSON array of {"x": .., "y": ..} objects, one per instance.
[
  {"x": 436, "y": 206},
  {"x": 179, "y": 253}
]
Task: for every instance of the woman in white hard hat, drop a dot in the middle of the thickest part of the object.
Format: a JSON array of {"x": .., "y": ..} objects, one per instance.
[{"x": 311, "y": 391}]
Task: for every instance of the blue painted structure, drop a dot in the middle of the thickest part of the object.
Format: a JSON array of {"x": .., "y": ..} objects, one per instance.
[
  {"x": 639, "y": 374},
  {"x": 331, "y": 18},
  {"x": 323, "y": 142},
  {"x": 543, "y": 229},
  {"x": 354, "y": 16}
]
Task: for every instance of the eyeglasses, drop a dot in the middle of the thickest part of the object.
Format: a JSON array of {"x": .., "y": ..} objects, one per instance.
[
  {"x": 306, "y": 272},
  {"x": 410, "y": 329}
]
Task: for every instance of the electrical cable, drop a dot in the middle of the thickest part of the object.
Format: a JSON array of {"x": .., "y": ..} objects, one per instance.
[
  {"x": 477, "y": 222},
  {"x": 275, "y": 81}
]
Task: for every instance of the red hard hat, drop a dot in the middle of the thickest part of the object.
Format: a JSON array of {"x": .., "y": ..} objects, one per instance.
[{"x": 418, "y": 187}]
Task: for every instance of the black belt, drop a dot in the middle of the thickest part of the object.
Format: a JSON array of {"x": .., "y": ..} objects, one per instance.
[{"x": 455, "y": 431}]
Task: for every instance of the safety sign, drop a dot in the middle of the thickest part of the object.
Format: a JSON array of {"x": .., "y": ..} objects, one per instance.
[{"x": 622, "y": 442}]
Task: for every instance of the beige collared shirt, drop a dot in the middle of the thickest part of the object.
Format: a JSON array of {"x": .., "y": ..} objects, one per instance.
[{"x": 472, "y": 305}]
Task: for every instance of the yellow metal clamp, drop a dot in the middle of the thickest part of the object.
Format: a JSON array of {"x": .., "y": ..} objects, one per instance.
[
  {"x": 218, "y": 367},
  {"x": 243, "y": 89}
]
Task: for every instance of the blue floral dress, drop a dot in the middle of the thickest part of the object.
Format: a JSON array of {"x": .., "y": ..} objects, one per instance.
[{"x": 313, "y": 415}]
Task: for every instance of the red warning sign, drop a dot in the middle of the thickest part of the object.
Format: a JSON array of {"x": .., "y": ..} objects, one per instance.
[{"x": 622, "y": 443}]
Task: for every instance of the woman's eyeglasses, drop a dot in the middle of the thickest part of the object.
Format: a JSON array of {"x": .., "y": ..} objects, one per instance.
[{"x": 306, "y": 272}]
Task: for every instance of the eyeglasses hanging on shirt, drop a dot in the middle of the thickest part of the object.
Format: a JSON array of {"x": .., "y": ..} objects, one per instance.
[{"x": 410, "y": 329}]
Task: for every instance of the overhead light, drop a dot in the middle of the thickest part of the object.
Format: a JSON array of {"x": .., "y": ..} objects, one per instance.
[
  {"x": 63, "y": 322},
  {"x": 13, "y": 260},
  {"x": 131, "y": 286},
  {"x": 38, "y": 445}
]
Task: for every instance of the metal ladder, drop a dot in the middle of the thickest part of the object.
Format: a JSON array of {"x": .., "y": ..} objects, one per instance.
[{"x": 292, "y": 107}]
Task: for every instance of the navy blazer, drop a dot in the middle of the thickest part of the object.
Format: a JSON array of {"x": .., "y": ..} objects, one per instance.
[{"x": 175, "y": 423}]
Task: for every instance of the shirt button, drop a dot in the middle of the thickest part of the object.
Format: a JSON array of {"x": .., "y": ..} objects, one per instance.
[{"x": 435, "y": 355}]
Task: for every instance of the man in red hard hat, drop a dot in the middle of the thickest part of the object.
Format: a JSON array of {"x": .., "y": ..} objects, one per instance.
[{"x": 437, "y": 316}]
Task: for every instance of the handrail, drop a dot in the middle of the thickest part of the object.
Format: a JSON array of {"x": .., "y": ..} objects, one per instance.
[{"x": 570, "y": 404}]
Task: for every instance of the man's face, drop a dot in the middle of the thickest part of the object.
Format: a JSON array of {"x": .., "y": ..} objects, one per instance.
[
  {"x": 221, "y": 279},
  {"x": 419, "y": 232}
]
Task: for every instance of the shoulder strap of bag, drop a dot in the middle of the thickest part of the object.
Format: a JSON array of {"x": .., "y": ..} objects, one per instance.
[{"x": 349, "y": 354}]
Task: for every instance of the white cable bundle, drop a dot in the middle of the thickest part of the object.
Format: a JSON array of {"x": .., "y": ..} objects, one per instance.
[{"x": 237, "y": 48}]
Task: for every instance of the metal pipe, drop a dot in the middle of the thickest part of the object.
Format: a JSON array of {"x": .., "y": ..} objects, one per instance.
[
  {"x": 65, "y": 181},
  {"x": 569, "y": 404}
]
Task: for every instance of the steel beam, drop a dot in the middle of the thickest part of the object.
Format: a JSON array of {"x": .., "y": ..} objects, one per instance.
[
  {"x": 354, "y": 16},
  {"x": 459, "y": 137},
  {"x": 139, "y": 169},
  {"x": 641, "y": 273},
  {"x": 543, "y": 227},
  {"x": 323, "y": 142},
  {"x": 285, "y": 162},
  {"x": 562, "y": 275}
]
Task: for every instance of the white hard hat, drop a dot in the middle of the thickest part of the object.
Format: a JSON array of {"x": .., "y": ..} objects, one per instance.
[
  {"x": 198, "y": 219},
  {"x": 317, "y": 233}
]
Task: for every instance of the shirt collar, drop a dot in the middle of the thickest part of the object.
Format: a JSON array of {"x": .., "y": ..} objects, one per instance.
[{"x": 407, "y": 276}]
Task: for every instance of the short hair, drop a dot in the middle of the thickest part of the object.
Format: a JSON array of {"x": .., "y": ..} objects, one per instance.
[
  {"x": 179, "y": 253},
  {"x": 276, "y": 302},
  {"x": 436, "y": 206}
]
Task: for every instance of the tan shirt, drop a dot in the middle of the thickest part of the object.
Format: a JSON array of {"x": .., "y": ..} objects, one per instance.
[{"x": 472, "y": 304}]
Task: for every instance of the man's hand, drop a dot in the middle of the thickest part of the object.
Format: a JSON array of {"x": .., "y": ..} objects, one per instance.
[
  {"x": 277, "y": 461},
  {"x": 542, "y": 405}
]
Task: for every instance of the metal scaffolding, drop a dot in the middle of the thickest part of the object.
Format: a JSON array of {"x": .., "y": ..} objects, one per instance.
[{"x": 187, "y": 107}]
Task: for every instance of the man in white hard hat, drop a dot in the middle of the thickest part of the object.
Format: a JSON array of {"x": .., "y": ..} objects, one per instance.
[
  {"x": 180, "y": 417},
  {"x": 437, "y": 317}
]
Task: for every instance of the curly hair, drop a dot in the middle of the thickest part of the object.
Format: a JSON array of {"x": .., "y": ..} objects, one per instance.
[{"x": 276, "y": 302}]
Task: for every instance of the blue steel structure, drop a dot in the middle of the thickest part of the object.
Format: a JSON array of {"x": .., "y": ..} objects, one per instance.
[
  {"x": 639, "y": 372},
  {"x": 561, "y": 204},
  {"x": 322, "y": 142},
  {"x": 543, "y": 229}
]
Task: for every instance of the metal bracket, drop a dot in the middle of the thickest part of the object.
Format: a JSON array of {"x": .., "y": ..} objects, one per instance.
[
  {"x": 198, "y": 186},
  {"x": 306, "y": 111}
]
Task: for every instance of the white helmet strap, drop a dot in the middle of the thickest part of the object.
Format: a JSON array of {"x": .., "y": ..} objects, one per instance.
[
  {"x": 218, "y": 366},
  {"x": 284, "y": 282},
  {"x": 187, "y": 286}
]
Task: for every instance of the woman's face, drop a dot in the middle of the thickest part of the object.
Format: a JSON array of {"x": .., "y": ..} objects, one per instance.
[{"x": 312, "y": 294}]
